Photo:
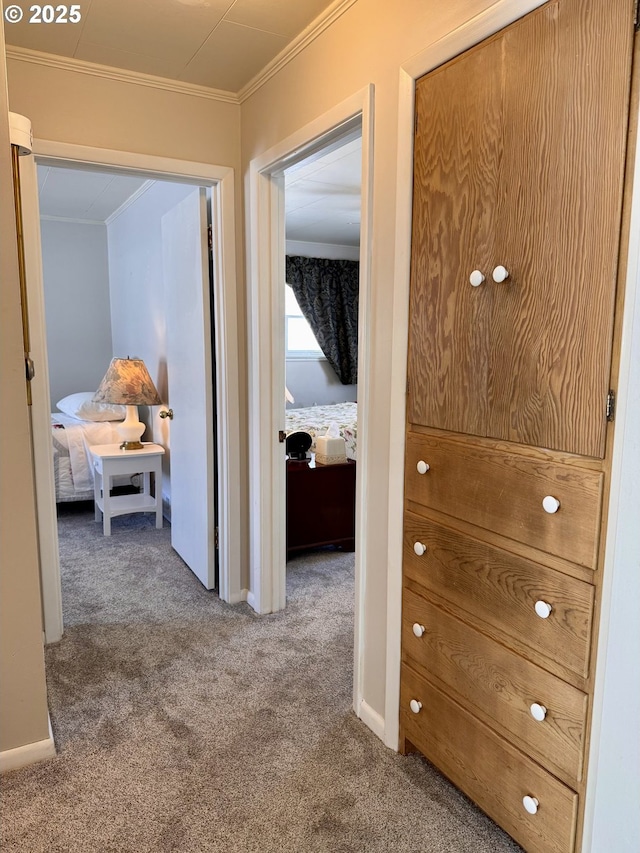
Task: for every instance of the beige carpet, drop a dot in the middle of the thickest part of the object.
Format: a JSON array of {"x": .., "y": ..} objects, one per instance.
[{"x": 183, "y": 724}]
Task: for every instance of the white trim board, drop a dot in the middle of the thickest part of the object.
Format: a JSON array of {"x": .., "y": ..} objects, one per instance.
[
  {"x": 598, "y": 814},
  {"x": 265, "y": 299},
  {"x": 29, "y": 753},
  {"x": 221, "y": 180}
]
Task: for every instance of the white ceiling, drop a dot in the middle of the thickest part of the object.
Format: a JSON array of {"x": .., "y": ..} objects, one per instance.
[
  {"x": 83, "y": 195},
  {"x": 322, "y": 195},
  {"x": 221, "y": 44}
]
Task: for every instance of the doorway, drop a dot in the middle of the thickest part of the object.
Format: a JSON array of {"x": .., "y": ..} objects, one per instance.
[
  {"x": 220, "y": 182},
  {"x": 322, "y": 253},
  {"x": 266, "y": 273}
]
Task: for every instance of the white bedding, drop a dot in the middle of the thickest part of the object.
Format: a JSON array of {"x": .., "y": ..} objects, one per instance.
[
  {"x": 72, "y": 458},
  {"x": 316, "y": 420}
]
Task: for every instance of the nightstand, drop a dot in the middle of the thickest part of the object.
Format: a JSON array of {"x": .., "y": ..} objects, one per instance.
[
  {"x": 110, "y": 461},
  {"x": 320, "y": 504}
]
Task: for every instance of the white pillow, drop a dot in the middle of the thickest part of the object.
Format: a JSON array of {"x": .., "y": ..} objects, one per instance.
[{"x": 81, "y": 406}]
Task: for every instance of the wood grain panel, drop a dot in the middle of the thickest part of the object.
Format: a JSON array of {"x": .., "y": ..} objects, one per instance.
[
  {"x": 504, "y": 492},
  {"x": 488, "y": 769},
  {"x": 565, "y": 111},
  {"x": 498, "y": 686},
  {"x": 455, "y": 171},
  {"x": 491, "y": 586}
]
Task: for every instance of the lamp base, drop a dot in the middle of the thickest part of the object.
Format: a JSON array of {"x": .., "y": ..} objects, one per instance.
[
  {"x": 130, "y": 430},
  {"x": 131, "y": 445}
]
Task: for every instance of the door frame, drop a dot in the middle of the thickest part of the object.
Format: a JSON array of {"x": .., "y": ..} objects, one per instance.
[
  {"x": 621, "y": 554},
  {"x": 265, "y": 299},
  {"x": 225, "y": 319}
]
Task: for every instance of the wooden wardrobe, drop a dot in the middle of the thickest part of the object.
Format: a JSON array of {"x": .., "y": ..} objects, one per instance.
[{"x": 518, "y": 218}]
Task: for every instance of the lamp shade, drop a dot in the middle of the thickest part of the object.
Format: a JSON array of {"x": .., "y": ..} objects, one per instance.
[{"x": 127, "y": 383}]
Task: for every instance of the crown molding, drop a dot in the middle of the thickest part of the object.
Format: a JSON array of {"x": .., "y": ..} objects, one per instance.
[
  {"x": 47, "y": 217},
  {"x": 80, "y": 66},
  {"x": 299, "y": 43},
  {"x": 108, "y": 72},
  {"x": 128, "y": 202}
]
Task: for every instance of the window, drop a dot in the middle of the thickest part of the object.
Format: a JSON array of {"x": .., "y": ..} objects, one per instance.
[{"x": 300, "y": 342}]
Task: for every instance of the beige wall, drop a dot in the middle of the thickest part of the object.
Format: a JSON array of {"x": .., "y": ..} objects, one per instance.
[
  {"x": 23, "y": 700},
  {"x": 368, "y": 44},
  {"x": 67, "y": 106}
]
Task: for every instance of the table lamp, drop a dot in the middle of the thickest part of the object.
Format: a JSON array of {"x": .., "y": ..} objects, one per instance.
[{"x": 127, "y": 383}]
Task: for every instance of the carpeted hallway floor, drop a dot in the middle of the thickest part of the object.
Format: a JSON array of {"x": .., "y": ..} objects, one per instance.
[{"x": 183, "y": 724}]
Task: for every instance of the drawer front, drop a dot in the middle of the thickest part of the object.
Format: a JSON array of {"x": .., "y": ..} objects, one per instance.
[
  {"x": 492, "y": 772},
  {"x": 498, "y": 686},
  {"x": 503, "y": 492},
  {"x": 502, "y": 589}
]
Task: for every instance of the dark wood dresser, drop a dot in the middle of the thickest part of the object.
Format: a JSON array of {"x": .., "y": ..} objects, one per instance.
[{"x": 320, "y": 505}]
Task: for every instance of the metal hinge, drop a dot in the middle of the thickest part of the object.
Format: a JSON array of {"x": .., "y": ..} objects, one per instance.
[
  {"x": 217, "y": 540},
  {"x": 282, "y": 436},
  {"x": 210, "y": 239},
  {"x": 611, "y": 405}
]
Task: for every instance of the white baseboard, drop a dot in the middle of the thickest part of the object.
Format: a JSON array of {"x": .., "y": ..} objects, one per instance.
[
  {"x": 30, "y": 753},
  {"x": 250, "y": 599},
  {"x": 241, "y": 596},
  {"x": 372, "y": 719}
]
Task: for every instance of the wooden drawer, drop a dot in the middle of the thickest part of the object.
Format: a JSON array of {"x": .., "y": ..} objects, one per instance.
[
  {"x": 498, "y": 686},
  {"x": 501, "y": 590},
  {"x": 488, "y": 769},
  {"x": 503, "y": 492}
]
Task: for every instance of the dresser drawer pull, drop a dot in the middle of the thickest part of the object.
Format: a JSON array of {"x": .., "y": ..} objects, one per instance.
[
  {"x": 530, "y": 804},
  {"x": 422, "y": 467},
  {"x": 419, "y": 548},
  {"x": 543, "y": 609},
  {"x": 476, "y": 278},
  {"x": 415, "y": 706},
  {"x": 418, "y": 629},
  {"x": 538, "y": 712},
  {"x": 550, "y": 504}
]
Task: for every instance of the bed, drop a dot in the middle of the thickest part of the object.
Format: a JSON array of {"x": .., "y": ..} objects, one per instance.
[
  {"x": 80, "y": 424},
  {"x": 316, "y": 420},
  {"x": 321, "y": 499}
]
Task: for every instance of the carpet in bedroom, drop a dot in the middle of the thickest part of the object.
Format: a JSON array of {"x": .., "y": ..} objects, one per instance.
[{"x": 184, "y": 724}]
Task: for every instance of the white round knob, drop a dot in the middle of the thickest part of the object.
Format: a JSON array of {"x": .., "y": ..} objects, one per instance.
[
  {"x": 415, "y": 706},
  {"x": 543, "y": 609},
  {"x": 476, "y": 278},
  {"x": 422, "y": 467},
  {"x": 500, "y": 273},
  {"x": 419, "y": 548},
  {"x": 418, "y": 629},
  {"x": 530, "y": 804},
  {"x": 538, "y": 712},
  {"x": 550, "y": 504}
]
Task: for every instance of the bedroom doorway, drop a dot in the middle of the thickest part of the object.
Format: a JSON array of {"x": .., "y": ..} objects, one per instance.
[
  {"x": 322, "y": 202},
  {"x": 219, "y": 182},
  {"x": 265, "y": 300}
]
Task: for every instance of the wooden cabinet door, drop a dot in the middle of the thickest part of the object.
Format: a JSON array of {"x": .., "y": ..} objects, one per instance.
[
  {"x": 457, "y": 154},
  {"x": 565, "y": 105},
  {"x": 519, "y": 160}
]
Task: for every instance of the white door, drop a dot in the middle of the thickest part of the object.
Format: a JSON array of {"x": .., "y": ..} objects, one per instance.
[{"x": 190, "y": 380}]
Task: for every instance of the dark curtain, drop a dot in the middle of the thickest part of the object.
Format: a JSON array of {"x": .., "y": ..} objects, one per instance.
[{"x": 327, "y": 293}]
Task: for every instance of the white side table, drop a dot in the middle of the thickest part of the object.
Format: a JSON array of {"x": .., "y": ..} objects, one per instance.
[{"x": 110, "y": 461}]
